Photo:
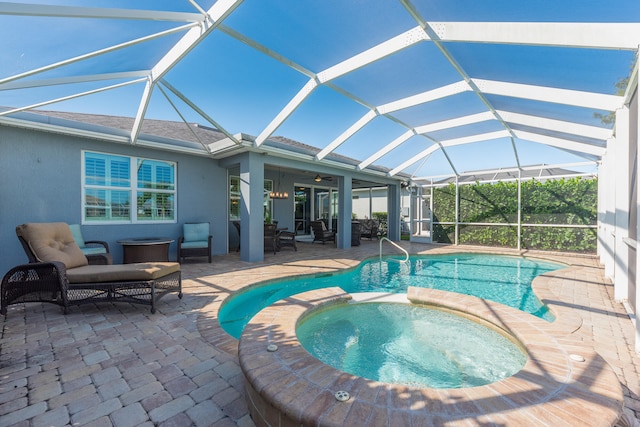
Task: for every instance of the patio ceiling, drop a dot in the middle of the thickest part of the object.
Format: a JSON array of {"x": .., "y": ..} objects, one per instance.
[{"x": 423, "y": 88}]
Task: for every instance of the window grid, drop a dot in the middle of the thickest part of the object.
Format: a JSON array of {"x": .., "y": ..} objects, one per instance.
[
  {"x": 234, "y": 198},
  {"x": 112, "y": 183}
]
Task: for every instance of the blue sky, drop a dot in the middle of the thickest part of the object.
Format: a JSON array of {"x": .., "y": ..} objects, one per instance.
[{"x": 243, "y": 89}]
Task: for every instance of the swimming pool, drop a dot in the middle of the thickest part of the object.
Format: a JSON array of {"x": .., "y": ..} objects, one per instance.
[{"x": 504, "y": 279}]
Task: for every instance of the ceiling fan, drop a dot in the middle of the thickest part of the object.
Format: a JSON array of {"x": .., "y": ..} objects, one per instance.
[{"x": 319, "y": 178}]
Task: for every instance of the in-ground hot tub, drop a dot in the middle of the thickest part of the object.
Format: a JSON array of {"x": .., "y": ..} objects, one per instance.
[
  {"x": 409, "y": 344},
  {"x": 563, "y": 382}
]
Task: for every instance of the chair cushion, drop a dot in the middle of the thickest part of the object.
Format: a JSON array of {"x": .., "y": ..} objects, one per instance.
[
  {"x": 198, "y": 244},
  {"x": 77, "y": 234},
  {"x": 52, "y": 241},
  {"x": 196, "y": 232},
  {"x": 121, "y": 272},
  {"x": 93, "y": 250}
]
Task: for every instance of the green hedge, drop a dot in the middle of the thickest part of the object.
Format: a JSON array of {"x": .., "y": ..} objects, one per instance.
[{"x": 571, "y": 201}]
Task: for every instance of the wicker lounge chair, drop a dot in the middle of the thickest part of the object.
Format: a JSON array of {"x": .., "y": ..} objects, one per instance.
[{"x": 60, "y": 273}]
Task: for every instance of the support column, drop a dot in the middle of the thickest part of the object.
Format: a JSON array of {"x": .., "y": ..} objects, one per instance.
[
  {"x": 602, "y": 210},
  {"x": 621, "y": 212},
  {"x": 457, "y": 213},
  {"x": 345, "y": 190},
  {"x": 519, "y": 245},
  {"x": 607, "y": 224},
  {"x": 634, "y": 131},
  {"x": 393, "y": 212},
  {"x": 251, "y": 207}
]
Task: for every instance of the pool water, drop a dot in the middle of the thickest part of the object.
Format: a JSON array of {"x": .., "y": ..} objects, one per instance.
[
  {"x": 504, "y": 279},
  {"x": 409, "y": 345}
]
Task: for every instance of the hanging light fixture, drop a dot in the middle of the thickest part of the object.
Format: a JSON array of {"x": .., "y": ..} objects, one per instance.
[
  {"x": 279, "y": 194},
  {"x": 318, "y": 178}
]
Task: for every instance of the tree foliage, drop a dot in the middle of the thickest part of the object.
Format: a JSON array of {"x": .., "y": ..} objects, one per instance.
[{"x": 610, "y": 118}]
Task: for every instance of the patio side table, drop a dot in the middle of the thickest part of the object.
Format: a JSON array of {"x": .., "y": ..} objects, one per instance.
[{"x": 145, "y": 249}]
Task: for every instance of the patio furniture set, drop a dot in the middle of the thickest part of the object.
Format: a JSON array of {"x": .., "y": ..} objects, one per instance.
[
  {"x": 274, "y": 238},
  {"x": 64, "y": 269},
  {"x": 359, "y": 228}
]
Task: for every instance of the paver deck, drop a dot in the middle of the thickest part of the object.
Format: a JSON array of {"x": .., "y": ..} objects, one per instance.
[{"x": 118, "y": 364}]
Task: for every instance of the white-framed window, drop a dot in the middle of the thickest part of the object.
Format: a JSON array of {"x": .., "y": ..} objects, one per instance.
[
  {"x": 123, "y": 189},
  {"x": 234, "y": 198}
]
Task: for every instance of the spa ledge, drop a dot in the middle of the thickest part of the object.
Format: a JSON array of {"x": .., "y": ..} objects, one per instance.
[{"x": 289, "y": 386}]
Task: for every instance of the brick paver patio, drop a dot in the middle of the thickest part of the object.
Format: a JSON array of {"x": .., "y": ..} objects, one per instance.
[{"x": 120, "y": 365}]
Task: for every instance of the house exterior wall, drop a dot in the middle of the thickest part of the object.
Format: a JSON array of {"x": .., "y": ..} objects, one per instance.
[{"x": 42, "y": 182}]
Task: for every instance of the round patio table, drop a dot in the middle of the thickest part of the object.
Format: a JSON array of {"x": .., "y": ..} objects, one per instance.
[{"x": 145, "y": 249}]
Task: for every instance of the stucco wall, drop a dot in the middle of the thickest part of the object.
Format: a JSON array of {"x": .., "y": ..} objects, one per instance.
[{"x": 41, "y": 182}]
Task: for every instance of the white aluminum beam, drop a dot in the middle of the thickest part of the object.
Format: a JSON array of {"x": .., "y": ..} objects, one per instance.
[
  {"x": 184, "y": 120},
  {"x": 564, "y": 34},
  {"x": 561, "y": 166},
  {"x": 66, "y": 98},
  {"x": 424, "y": 97},
  {"x": 513, "y": 169},
  {"x": 95, "y": 53},
  {"x": 25, "y": 9},
  {"x": 410, "y": 101},
  {"x": 286, "y": 111},
  {"x": 448, "y": 143},
  {"x": 596, "y": 101},
  {"x": 73, "y": 80},
  {"x": 142, "y": 110},
  {"x": 370, "y": 115},
  {"x": 267, "y": 51},
  {"x": 389, "y": 47},
  {"x": 215, "y": 15},
  {"x": 564, "y": 144},
  {"x": 386, "y": 48},
  {"x": 494, "y": 171},
  {"x": 198, "y": 110},
  {"x": 476, "y": 138},
  {"x": 414, "y": 159},
  {"x": 386, "y": 149},
  {"x": 557, "y": 125},
  {"x": 459, "y": 121}
]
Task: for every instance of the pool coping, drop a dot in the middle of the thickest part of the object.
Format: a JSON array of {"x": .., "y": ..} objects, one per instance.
[{"x": 291, "y": 386}]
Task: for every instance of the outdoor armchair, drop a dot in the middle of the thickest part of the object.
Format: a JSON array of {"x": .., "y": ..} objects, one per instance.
[
  {"x": 195, "y": 241},
  {"x": 288, "y": 238},
  {"x": 271, "y": 238},
  {"x": 94, "y": 250},
  {"x": 236, "y": 224},
  {"x": 369, "y": 228},
  {"x": 320, "y": 232}
]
